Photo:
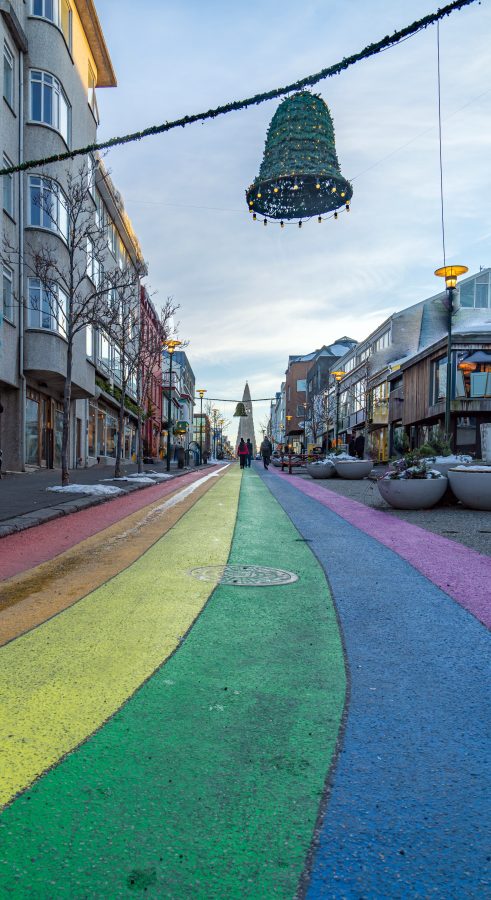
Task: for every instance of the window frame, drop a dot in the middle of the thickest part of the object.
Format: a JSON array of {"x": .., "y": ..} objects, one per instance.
[
  {"x": 8, "y": 180},
  {"x": 8, "y": 64},
  {"x": 59, "y": 224},
  {"x": 91, "y": 94},
  {"x": 8, "y": 310},
  {"x": 58, "y": 104},
  {"x": 55, "y": 310}
]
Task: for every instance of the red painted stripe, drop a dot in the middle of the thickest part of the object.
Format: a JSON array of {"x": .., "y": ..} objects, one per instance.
[{"x": 29, "y": 548}]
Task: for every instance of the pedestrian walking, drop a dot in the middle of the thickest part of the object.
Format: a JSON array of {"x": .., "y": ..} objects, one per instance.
[
  {"x": 351, "y": 446},
  {"x": 181, "y": 457},
  {"x": 250, "y": 452},
  {"x": 266, "y": 450},
  {"x": 360, "y": 445},
  {"x": 243, "y": 453}
]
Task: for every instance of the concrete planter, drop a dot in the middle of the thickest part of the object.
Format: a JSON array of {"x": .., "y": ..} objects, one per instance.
[
  {"x": 472, "y": 487},
  {"x": 353, "y": 468},
  {"x": 321, "y": 470},
  {"x": 412, "y": 493}
]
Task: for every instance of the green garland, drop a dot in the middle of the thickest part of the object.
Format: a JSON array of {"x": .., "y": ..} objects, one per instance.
[{"x": 309, "y": 81}]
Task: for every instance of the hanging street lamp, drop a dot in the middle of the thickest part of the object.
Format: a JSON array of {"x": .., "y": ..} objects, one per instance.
[
  {"x": 171, "y": 346},
  {"x": 201, "y": 392},
  {"x": 450, "y": 274},
  {"x": 338, "y": 376},
  {"x": 299, "y": 176}
]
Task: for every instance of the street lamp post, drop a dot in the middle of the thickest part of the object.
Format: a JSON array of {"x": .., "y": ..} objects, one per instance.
[
  {"x": 287, "y": 433},
  {"x": 450, "y": 274},
  {"x": 305, "y": 406},
  {"x": 201, "y": 392},
  {"x": 338, "y": 376},
  {"x": 171, "y": 346}
]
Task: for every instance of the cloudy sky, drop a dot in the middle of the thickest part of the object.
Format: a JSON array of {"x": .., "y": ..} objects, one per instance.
[{"x": 250, "y": 295}]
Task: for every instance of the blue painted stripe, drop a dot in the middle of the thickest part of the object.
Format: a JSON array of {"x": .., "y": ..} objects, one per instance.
[{"x": 408, "y": 811}]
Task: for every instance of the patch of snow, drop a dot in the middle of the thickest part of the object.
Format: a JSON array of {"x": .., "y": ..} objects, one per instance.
[
  {"x": 453, "y": 458},
  {"x": 473, "y": 468},
  {"x": 96, "y": 489},
  {"x": 157, "y": 476},
  {"x": 322, "y": 462}
]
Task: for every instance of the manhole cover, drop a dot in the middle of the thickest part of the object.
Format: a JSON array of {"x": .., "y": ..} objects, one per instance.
[{"x": 244, "y": 576}]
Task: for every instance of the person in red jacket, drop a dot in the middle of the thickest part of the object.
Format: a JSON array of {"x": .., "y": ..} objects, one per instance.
[{"x": 243, "y": 453}]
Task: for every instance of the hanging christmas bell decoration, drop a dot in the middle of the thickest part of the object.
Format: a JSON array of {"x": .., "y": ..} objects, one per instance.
[
  {"x": 240, "y": 410},
  {"x": 299, "y": 175}
]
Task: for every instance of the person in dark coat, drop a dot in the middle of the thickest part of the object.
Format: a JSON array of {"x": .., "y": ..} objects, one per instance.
[
  {"x": 266, "y": 450},
  {"x": 181, "y": 457},
  {"x": 250, "y": 452},
  {"x": 351, "y": 446},
  {"x": 243, "y": 453},
  {"x": 360, "y": 445}
]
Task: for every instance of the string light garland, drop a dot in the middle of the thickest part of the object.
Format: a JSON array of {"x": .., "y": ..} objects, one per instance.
[{"x": 308, "y": 81}]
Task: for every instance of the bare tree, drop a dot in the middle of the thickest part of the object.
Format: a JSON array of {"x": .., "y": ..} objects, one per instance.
[
  {"x": 315, "y": 416},
  {"x": 72, "y": 286},
  {"x": 147, "y": 358}
]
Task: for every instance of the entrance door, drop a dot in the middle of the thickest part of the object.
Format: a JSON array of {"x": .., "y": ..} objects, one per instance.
[
  {"x": 79, "y": 442},
  {"x": 47, "y": 432}
]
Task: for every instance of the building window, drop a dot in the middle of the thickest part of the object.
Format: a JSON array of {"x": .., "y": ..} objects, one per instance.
[
  {"x": 439, "y": 380},
  {"x": 47, "y": 307},
  {"x": 301, "y": 384},
  {"x": 91, "y": 176},
  {"x": 66, "y": 21},
  {"x": 49, "y": 104},
  {"x": 95, "y": 269},
  {"x": 382, "y": 342},
  {"x": 89, "y": 341},
  {"x": 47, "y": 205},
  {"x": 350, "y": 364},
  {"x": 104, "y": 352},
  {"x": 8, "y": 188},
  {"x": 7, "y": 294},
  {"x": 8, "y": 74},
  {"x": 56, "y": 11},
  {"x": 474, "y": 294},
  {"x": 91, "y": 95},
  {"x": 111, "y": 236}
]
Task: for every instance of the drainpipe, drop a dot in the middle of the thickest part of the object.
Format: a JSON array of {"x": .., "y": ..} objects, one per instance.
[{"x": 22, "y": 378}]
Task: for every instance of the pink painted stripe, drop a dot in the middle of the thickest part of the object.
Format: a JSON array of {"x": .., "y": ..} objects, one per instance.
[
  {"x": 460, "y": 572},
  {"x": 23, "y": 551}
]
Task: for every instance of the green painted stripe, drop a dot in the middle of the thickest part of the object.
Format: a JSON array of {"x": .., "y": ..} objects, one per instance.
[{"x": 207, "y": 783}]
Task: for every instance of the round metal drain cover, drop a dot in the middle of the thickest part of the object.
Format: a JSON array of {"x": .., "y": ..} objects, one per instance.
[{"x": 244, "y": 576}]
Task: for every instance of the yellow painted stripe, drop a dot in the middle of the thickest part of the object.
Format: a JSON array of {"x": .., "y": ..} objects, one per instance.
[{"x": 61, "y": 681}]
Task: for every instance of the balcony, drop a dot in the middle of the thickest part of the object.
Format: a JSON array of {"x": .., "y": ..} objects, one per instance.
[{"x": 45, "y": 359}]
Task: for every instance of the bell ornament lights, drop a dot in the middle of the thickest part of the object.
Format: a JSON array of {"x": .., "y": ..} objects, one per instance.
[{"x": 299, "y": 175}]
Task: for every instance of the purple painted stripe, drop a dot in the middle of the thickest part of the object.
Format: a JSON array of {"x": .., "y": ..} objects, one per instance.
[{"x": 463, "y": 574}]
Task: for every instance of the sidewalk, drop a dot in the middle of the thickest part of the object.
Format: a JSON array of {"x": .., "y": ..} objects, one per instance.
[{"x": 25, "y": 500}]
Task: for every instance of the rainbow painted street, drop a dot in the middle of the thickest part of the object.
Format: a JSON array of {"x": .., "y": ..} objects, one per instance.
[{"x": 170, "y": 736}]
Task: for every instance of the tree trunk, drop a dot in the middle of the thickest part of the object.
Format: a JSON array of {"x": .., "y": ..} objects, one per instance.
[
  {"x": 139, "y": 442},
  {"x": 65, "y": 437},
  {"x": 119, "y": 441}
]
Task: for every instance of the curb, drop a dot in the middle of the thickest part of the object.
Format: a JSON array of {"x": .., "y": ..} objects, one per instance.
[{"x": 40, "y": 517}]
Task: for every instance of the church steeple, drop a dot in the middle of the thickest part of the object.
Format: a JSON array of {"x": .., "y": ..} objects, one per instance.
[{"x": 246, "y": 423}]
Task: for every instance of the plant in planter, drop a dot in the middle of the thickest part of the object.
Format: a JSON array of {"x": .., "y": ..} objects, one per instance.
[
  {"x": 321, "y": 468},
  {"x": 412, "y": 483},
  {"x": 437, "y": 450}
]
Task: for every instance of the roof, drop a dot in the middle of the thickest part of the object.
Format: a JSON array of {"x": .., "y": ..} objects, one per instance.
[{"x": 92, "y": 27}]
